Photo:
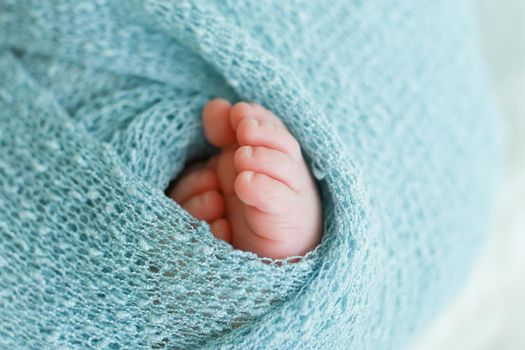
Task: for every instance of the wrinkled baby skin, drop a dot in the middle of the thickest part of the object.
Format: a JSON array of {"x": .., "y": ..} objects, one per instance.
[{"x": 257, "y": 193}]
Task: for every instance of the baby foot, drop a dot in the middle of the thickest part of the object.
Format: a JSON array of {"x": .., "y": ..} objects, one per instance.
[{"x": 258, "y": 193}]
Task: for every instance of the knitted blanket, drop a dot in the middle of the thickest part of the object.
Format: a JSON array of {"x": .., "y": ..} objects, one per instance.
[{"x": 100, "y": 106}]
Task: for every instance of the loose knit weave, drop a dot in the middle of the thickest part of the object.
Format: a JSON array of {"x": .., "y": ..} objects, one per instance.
[{"x": 100, "y": 106}]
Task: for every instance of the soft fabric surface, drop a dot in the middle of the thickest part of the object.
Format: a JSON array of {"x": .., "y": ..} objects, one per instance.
[
  {"x": 100, "y": 108},
  {"x": 490, "y": 313}
]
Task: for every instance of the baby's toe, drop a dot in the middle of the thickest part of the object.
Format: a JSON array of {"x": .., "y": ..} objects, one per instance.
[
  {"x": 216, "y": 122},
  {"x": 226, "y": 172},
  {"x": 221, "y": 229},
  {"x": 207, "y": 206},
  {"x": 275, "y": 164},
  {"x": 197, "y": 181},
  {"x": 242, "y": 110},
  {"x": 268, "y": 195},
  {"x": 258, "y": 127}
]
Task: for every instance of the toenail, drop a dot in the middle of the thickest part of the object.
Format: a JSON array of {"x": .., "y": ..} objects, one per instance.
[
  {"x": 254, "y": 122},
  {"x": 248, "y": 176},
  {"x": 248, "y": 151}
]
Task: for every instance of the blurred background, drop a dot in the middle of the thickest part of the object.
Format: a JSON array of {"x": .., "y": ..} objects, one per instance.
[{"x": 490, "y": 313}]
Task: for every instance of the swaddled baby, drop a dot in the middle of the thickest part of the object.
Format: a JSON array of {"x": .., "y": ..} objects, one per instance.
[{"x": 257, "y": 193}]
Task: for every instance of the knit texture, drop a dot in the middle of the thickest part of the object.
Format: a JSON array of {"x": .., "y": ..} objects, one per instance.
[{"x": 100, "y": 106}]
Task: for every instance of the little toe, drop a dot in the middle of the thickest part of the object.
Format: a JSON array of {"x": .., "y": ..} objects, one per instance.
[
  {"x": 267, "y": 133},
  {"x": 195, "y": 182},
  {"x": 275, "y": 164},
  {"x": 207, "y": 206},
  {"x": 264, "y": 193},
  {"x": 216, "y": 122},
  {"x": 242, "y": 110}
]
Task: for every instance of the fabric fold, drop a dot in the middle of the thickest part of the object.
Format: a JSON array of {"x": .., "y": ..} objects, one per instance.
[{"x": 100, "y": 106}]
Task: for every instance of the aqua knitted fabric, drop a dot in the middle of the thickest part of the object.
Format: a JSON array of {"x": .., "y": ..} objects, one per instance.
[{"x": 100, "y": 106}]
